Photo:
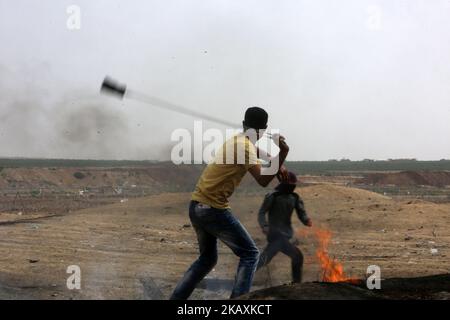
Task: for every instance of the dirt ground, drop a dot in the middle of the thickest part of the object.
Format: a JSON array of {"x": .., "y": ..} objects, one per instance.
[
  {"x": 139, "y": 248},
  {"x": 434, "y": 287}
]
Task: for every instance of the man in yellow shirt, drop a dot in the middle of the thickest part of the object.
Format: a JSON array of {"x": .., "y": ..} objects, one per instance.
[{"x": 209, "y": 209}]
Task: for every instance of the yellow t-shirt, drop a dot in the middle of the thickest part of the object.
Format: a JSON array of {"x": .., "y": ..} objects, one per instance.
[{"x": 230, "y": 164}]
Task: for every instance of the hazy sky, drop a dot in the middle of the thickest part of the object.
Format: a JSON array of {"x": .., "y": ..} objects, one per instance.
[{"x": 355, "y": 79}]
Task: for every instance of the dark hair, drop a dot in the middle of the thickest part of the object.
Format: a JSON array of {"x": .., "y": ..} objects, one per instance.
[{"x": 256, "y": 118}]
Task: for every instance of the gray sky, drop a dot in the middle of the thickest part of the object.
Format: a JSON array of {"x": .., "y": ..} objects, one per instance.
[{"x": 352, "y": 78}]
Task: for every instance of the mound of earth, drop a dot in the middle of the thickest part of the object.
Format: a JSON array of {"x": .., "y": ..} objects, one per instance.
[
  {"x": 335, "y": 192},
  {"x": 429, "y": 287},
  {"x": 408, "y": 178},
  {"x": 159, "y": 176}
]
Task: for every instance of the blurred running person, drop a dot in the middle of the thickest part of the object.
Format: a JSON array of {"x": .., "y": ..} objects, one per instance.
[{"x": 279, "y": 206}]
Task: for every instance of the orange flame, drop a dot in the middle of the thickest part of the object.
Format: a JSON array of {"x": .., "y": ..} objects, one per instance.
[{"x": 331, "y": 269}]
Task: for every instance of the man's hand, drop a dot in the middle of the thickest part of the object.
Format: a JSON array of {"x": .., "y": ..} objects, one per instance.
[
  {"x": 283, "y": 174},
  {"x": 308, "y": 223},
  {"x": 280, "y": 141},
  {"x": 264, "y": 179}
]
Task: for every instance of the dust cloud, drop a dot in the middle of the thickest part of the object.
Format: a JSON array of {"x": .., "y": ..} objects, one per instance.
[{"x": 82, "y": 125}]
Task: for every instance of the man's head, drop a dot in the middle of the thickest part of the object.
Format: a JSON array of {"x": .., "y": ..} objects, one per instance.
[
  {"x": 292, "y": 178},
  {"x": 289, "y": 185},
  {"x": 255, "y": 119}
]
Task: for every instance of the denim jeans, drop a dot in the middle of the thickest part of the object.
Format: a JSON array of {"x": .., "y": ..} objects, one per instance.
[
  {"x": 211, "y": 224},
  {"x": 280, "y": 242}
]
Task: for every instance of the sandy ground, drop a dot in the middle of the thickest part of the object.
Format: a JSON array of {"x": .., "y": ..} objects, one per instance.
[{"x": 140, "y": 248}]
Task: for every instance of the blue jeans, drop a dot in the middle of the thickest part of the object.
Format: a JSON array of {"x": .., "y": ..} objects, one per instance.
[{"x": 211, "y": 224}]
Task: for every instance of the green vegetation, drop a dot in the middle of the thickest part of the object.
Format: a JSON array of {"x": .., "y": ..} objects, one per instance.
[
  {"x": 35, "y": 193},
  {"x": 79, "y": 175},
  {"x": 300, "y": 167},
  {"x": 334, "y": 166}
]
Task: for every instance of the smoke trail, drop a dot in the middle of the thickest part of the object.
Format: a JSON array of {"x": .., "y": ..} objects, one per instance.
[{"x": 80, "y": 125}]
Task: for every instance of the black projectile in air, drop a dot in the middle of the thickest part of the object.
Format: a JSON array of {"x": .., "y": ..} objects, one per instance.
[{"x": 113, "y": 87}]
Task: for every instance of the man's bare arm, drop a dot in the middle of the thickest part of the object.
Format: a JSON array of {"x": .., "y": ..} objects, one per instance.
[{"x": 263, "y": 179}]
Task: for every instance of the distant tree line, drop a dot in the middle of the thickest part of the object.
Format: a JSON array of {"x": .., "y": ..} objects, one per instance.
[
  {"x": 300, "y": 167},
  {"x": 329, "y": 166}
]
